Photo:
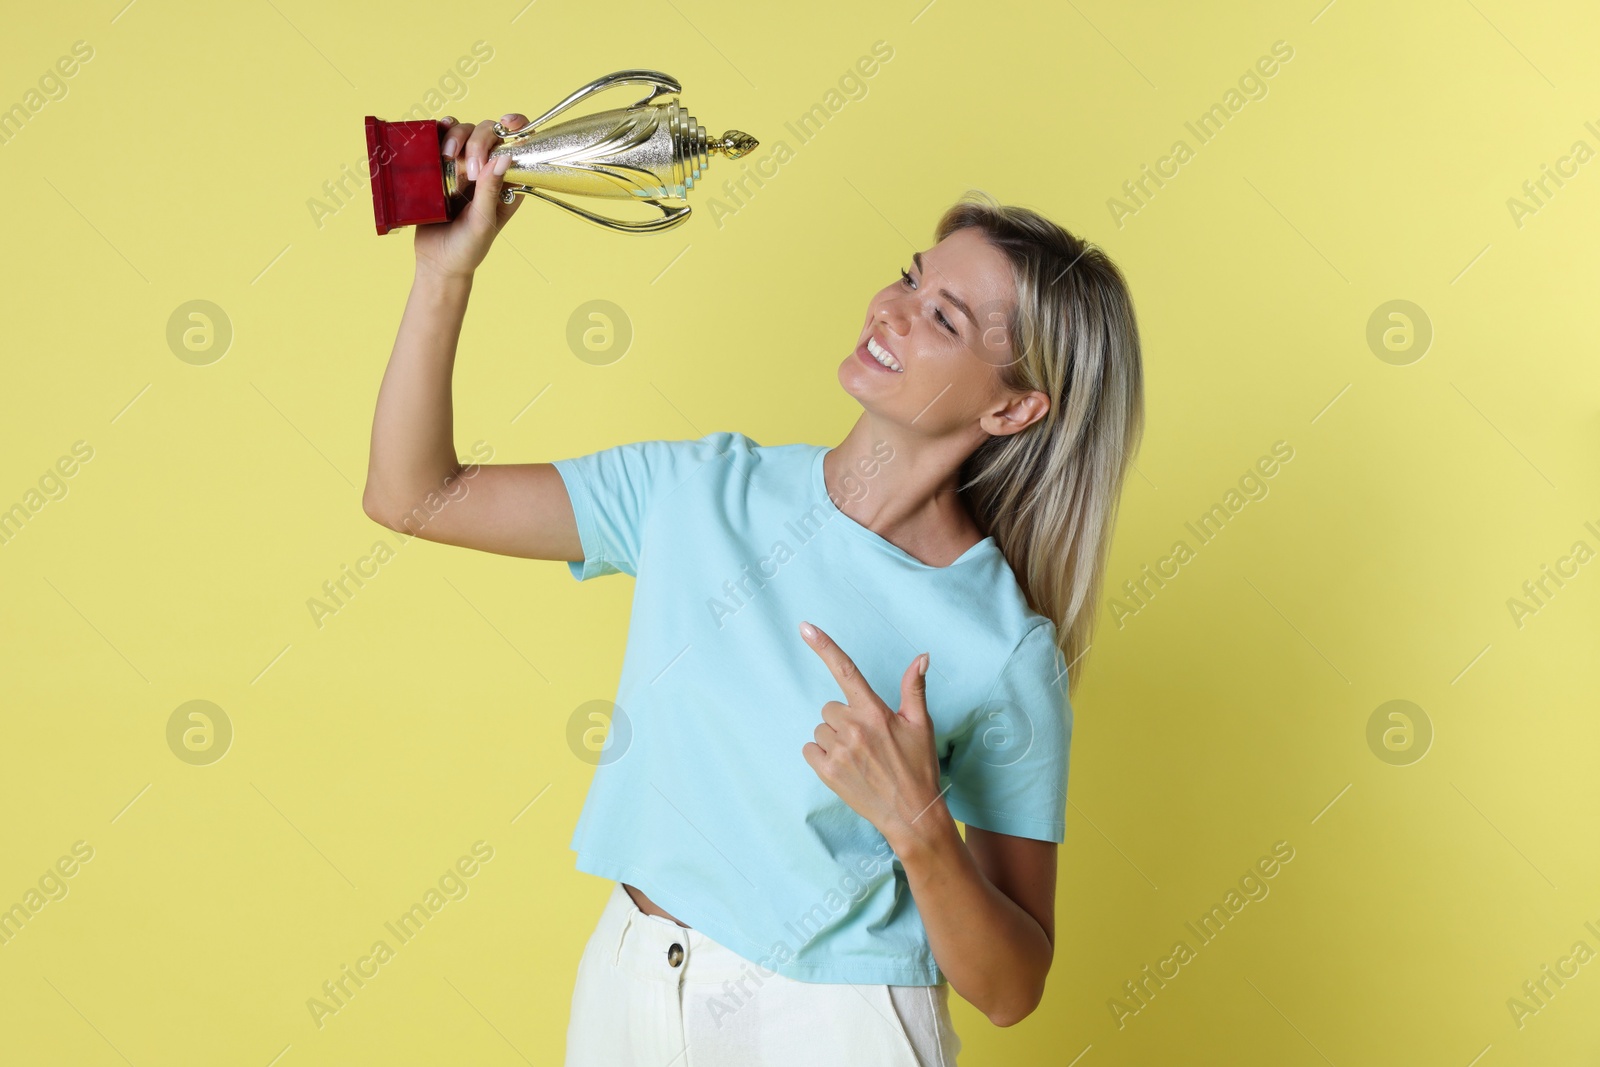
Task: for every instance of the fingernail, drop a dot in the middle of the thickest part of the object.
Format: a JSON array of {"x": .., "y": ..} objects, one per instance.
[
  {"x": 450, "y": 146},
  {"x": 502, "y": 164},
  {"x": 472, "y": 169},
  {"x": 809, "y": 630},
  {"x": 923, "y": 669},
  {"x": 504, "y": 119}
]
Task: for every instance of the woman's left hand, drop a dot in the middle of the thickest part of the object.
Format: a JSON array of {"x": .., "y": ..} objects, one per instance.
[{"x": 881, "y": 762}]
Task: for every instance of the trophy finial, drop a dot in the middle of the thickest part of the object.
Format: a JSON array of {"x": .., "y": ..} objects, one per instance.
[{"x": 733, "y": 144}]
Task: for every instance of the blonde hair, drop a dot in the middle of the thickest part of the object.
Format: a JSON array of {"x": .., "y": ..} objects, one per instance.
[{"x": 1049, "y": 494}]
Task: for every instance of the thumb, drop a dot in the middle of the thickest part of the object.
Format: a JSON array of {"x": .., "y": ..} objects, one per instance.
[
  {"x": 486, "y": 194},
  {"x": 914, "y": 691},
  {"x": 514, "y": 122}
]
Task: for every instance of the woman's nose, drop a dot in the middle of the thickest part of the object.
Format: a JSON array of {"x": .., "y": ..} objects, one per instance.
[{"x": 893, "y": 319}]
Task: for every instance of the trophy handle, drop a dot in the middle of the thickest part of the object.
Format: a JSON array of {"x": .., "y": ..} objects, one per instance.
[
  {"x": 663, "y": 83},
  {"x": 668, "y": 219}
]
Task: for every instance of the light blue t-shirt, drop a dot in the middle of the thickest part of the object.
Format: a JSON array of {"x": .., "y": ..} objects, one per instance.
[{"x": 702, "y": 798}]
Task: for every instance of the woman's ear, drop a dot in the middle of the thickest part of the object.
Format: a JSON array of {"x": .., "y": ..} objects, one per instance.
[{"x": 1017, "y": 414}]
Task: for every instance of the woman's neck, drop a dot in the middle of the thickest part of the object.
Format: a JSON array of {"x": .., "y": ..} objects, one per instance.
[{"x": 904, "y": 489}]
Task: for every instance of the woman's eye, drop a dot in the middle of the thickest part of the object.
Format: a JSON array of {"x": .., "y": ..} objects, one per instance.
[{"x": 905, "y": 279}]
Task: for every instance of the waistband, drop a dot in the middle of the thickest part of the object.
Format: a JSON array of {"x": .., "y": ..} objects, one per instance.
[{"x": 647, "y": 945}]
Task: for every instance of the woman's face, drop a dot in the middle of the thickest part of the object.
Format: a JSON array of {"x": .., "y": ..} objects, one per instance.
[{"x": 945, "y": 331}]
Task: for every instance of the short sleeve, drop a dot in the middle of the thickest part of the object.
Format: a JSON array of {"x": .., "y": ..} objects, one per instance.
[
  {"x": 613, "y": 491},
  {"x": 1008, "y": 773}
]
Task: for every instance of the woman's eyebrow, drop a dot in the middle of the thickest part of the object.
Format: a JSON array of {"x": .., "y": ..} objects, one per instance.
[{"x": 916, "y": 257}]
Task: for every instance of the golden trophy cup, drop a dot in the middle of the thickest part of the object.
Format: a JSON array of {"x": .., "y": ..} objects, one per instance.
[{"x": 652, "y": 151}]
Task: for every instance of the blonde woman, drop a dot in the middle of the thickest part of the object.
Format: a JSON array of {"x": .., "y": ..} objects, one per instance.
[{"x": 835, "y": 654}]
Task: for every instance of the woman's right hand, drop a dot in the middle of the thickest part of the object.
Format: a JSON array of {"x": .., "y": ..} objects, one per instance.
[{"x": 455, "y": 248}]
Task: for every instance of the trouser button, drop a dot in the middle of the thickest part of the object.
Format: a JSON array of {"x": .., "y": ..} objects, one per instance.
[{"x": 674, "y": 954}]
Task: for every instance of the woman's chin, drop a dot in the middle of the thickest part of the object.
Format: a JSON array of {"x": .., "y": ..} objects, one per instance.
[
  {"x": 848, "y": 377},
  {"x": 850, "y": 380},
  {"x": 856, "y": 379}
]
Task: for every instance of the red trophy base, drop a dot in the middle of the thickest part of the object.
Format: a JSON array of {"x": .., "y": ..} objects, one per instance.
[{"x": 407, "y": 171}]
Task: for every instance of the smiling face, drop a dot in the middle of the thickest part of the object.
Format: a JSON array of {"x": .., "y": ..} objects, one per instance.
[{"x": 935, "y": 340}]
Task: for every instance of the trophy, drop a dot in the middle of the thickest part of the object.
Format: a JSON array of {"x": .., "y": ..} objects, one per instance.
[{"x": 652, "y": 151}]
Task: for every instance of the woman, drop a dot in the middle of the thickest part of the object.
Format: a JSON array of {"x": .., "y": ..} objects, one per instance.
[{"x": 790, "y": 814}]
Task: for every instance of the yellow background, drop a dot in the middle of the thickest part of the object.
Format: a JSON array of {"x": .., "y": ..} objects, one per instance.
[{"x": 1228, "y": 714}]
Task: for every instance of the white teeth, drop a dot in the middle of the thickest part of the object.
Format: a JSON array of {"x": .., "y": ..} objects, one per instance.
[{"x": 881, "y": 354}]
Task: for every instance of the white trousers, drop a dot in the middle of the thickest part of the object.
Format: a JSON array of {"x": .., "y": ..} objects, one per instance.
[{"x": 651, "y": 993}]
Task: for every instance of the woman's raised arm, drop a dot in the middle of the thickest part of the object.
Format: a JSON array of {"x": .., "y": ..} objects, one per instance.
[{"x": 416, "y": 484}]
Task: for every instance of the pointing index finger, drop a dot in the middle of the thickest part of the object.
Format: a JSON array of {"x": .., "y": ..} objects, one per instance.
[{"x": 856, "y": 690}]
